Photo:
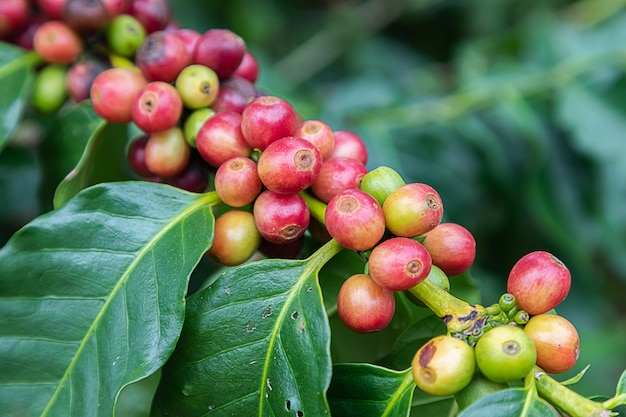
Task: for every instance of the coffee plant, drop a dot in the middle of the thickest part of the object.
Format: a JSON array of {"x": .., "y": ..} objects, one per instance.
[{"x": 210, "y": 238}]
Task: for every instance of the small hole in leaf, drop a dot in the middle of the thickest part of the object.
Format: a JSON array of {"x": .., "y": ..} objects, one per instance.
[
  {"x": 299, "y": 413},
  {"x": 288, "y": 405}
]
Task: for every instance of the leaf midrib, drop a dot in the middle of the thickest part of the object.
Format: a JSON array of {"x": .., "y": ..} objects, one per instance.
[{"x": 206, "y": 199}]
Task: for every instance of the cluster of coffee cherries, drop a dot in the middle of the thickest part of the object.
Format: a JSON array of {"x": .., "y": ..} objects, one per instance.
[{"x": 522, "y": 331}]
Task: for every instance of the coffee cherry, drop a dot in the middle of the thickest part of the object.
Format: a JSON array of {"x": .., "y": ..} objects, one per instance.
[
  {"x": 56, "y": 43},
  {"x": 281, "y": 218},
  {"x": 267, "y": 119},
  {"x": 162, "y": 56},
  {"x": 237, "y": 182},
  {"x": 380, "y": 182},
  {"x": 364, "y": 306},
  {"x": 349, "y": 145},
  {"x": 248, "y": 68},
  {"x": 167, "y": 153},
  {"x": 399, "y": 263},
  {"x": 289, "y": 165},
  {"x": 189, "y": 37},
  {"x": 505, "y": 354},
  {"x": 288, "y": 250},
  {"x": 336, "y": 175},
  {"x": 318, "y": 133},
  {"x": 539, "y": 281},
  {"x": 24, "y": 36},
  {"x": 154, "y": 15},
  {"x": 193, "y": 178},
  {"x": 49, "y": 92},
  {"x": 80, "y": 77},
  {"x": 235, "y": 238},
  {"x": 113, "y": 93},
  {"x": 452, "y": 247},
  {"x": 198, "y": 86},
  {"x": 85, "y": 16},
  {"x": 443, "y": 366},
  {"x": 125, "y": 34},
  {"x": 221, "y": 50},
  {"x": 51, "y": 9},
  {"x": 556, "y": 340},
  {"x": 220, "y": 139},
  {"x": 136, "y": 156},
  {"x": 157, "y": 107},
  {"x": 355, "y": 220},
  {"x": 13, "y": 16},
  {"x": 412, "y": 210},
  {"x": 194, "y": 122},
  {"x": 234, "y": 94},
  {"x": 114, "y": 8}
]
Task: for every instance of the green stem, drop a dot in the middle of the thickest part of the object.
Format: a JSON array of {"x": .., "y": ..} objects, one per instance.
[
  {"x": 572, "y": 403},
  {"x": 316, "y": 207},
  {"x": 458, "y": 314}
]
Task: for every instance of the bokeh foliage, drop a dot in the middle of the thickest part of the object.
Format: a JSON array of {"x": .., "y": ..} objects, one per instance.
[{"x": 514, "y": 111}]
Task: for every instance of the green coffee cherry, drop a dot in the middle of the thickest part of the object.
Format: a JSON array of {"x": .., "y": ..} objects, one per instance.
[
  {"x": 194, "y": 122},
  {"x": 49, "y": 91},
  {"x": 505, "y": 353},
  {"x": 124, "y": 35},
  {"x": 381, "y": 182}
]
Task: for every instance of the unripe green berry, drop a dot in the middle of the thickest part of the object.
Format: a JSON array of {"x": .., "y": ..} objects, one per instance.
[
  {"x": 505, "y": 353},
  {"x": 124, "y": 35},
  {"x": 194, "y": 122},
  {"x": 49, "y": 91},
  {"x": 380, "y": 182}
]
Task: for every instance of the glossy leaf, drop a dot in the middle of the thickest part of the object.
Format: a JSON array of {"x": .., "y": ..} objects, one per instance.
[
  {"x": 364, "y": 390},
  {"x": 92, "y": 295},
  {"x": 255, "y": 343},
  {"x": 509, "y": 403},
  {"x": 16, "y": 75},
  {"x": 621, "y": 384}
]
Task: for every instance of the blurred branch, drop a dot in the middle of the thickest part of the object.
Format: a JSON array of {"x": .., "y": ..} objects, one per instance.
[
  {"x": 333, "y": 39},
  {"x": 465, "y": 102}
]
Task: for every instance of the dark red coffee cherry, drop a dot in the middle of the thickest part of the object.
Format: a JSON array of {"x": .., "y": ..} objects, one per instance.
[
  {"x": 267, "y": 119},
  {"x": 221, "y": 50},
  {"x": 162, "y": 56},
  {"x": 154, "y": 15},
  {"x": 80, "y": 77},
  {"x": 85, "y": 16}
]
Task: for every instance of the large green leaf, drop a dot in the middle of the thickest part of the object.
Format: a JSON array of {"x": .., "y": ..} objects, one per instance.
[
  {"x": 364, "y": 390},
  {"x": 16, "y": 75},
  {"x": 92, "y": 296},
  {"x": 514, "y": 402},
  {"x": 255, "y": 343}
]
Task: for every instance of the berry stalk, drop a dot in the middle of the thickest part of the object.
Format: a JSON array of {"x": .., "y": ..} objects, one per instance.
[{"x": 567, "y": 400}]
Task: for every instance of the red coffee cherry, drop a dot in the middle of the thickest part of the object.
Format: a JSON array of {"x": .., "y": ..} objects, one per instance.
[
  {"x": 556, "y": 340},
  {"x": 157, "y": 107},
  {"x": 234, "y": 94},
  {"x": 355, "y": 220},
  {"x": 289, "y": 165},
  {"x": 137, "y": 156},
  {"x": 443, "y": 366},
  {"x": 13, "y": 16},
  {"x": 288, "y": 250},
  {"x": 51, "y": 9},
  {"x": 80, "y": 77},
  {"x": 350, "y": 145},
  {"x": 267, "y": 119},
  {"x": 539, "y": 281},
  {"x": 113, "y": 93},
  {"x": 189, "y": 37},
  {"x": 399, "y": 263},
  {"x": 248, "y": 68},
  {"x": 56, "y": 43},
  {"x": 220, "y": 139},
  {"x": 235, "y": 238},
  {"x": 412, "y": 210},
  {"x": 114, "y": 8},
  {"x": 364, "y": 306},
  {"x": 505, "y": 354},
  {"x": 154, "y": 15},
  {"x": 452, "y": 247},
  {"x": 221, "y": 50},
  {"x": 167, "y": 153},
  {"x": 193, "y": 178},
  {"x": 237, "y": 182},
  {"x": 85, "y": 16},
  {"x": 162, "y": 56},
  {"x": 281, "y": 218},
  {"x": 338, "y": 174},
  {"x": 318, "y": 133}
]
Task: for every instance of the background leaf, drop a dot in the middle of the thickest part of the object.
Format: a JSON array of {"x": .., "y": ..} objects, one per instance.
[
  {"x": 256, "y": 342},
  {"x": 92, "y": 295},
  {"x": 508, "y": 403},
  {"x": 16, "y": 75},
  {"x": 621, "y": 384},
  {"x": 351, "y": 393}
]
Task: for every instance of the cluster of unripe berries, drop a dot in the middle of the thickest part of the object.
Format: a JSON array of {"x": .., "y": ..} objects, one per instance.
[{"x": 518, "y": 333}]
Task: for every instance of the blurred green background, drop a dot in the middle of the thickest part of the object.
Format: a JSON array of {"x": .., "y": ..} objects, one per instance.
[{"x": 514, "y": 111}]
